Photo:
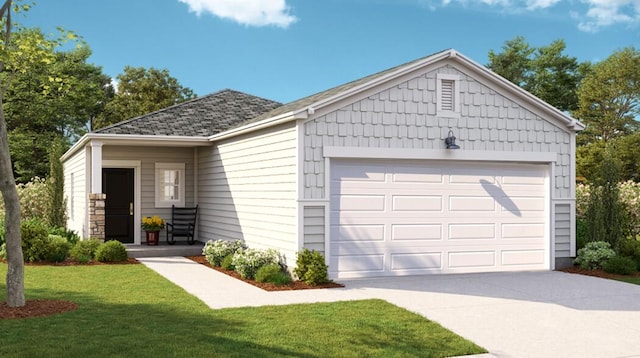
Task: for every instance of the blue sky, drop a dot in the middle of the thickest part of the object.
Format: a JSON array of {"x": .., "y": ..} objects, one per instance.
[{"x": 287, "y": 49}]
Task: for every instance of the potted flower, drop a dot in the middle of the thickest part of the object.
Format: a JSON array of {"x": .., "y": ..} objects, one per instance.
[{"x": 152, "y": 226}]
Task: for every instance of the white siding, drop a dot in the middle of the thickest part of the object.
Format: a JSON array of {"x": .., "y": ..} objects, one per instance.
[
  {"x": 75, "y": 192},
  {"x": 314, "y": 228},
  {"x": 148, "y": 156},
  {"x": 563, "y": 230},
  {"x": 247, "y": 190}
]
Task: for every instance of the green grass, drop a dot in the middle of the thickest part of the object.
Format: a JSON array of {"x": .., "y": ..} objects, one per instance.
[
  {"x": 630, "y": 279},
  {"x": 130, "y": 311}
]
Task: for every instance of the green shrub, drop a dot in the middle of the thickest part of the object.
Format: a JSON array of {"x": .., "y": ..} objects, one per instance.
[
  {"x": 35, "y": 239},
  {"x": 85, "y": 250},
  {"x": 311, "y": 267},
  {"x": 216, "y": 250},
  {"x": 248, "y": 261},
  {"x": 227, "y": 263},
  {"x": 273, "y": 274},
  {"x": 630, "y": 248},
  {"x": 594, "y": 255},
  {"x": 71, "y": 236},
  {"x": 111, "y": 251},
  {"x": 581, "y": 233},
  {"x": 620, "y": 265},
  {"x": 58, "y": 248},
  {"x": 3, "y": 251},
  {"x": 2, "y": 236}
]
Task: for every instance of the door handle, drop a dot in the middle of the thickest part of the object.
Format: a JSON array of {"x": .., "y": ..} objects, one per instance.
[{"x": 131, "y": 209}]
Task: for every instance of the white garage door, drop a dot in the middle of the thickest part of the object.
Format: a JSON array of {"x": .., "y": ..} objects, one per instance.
[{"x": 416, "y": 217}]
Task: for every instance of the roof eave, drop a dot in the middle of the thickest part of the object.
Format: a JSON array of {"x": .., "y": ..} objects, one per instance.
[{"x": 137, "y": 140}]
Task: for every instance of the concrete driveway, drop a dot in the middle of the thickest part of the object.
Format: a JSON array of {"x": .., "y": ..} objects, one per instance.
[
  {"x": 528, "y": 314},
  {"x": 525, "y": 314}
]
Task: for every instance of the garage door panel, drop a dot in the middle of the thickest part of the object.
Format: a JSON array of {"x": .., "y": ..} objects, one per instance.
[
  {"x": 416, "y": 261},
  {"x": 472, "y": 259},
  {"x": 522, "y": 231},
  {"x": 401, "y": 232},
  {"x": 437, "y": 217},
  {"x": 471, "y": 203},
  {"x": 361, "y": 202},
  {"x": 417, "y": 202},
  {"x": 362, "y": 232},
  {"x": 477, "y": 231},
  {"x": 522, "y": 257}
]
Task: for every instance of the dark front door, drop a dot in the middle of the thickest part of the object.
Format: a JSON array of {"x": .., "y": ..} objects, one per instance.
[{"x": 117, "y": 184}]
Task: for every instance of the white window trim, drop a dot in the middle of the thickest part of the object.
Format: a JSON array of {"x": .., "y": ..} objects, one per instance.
[
  {"x": 159, "y": 167},
  {"x": 456, "y": 95}
]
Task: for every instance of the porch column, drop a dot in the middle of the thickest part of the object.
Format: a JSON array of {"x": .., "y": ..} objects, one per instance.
[{"x": 96, "y": 197}]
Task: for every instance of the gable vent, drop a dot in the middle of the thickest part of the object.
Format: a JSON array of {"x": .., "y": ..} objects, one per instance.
[{"x": 447, "y": 97}]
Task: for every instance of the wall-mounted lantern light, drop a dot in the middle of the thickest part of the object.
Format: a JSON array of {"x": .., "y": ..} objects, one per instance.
[{"x": 450, "y": 141}]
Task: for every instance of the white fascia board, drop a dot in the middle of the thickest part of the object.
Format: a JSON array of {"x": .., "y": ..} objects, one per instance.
[
  {"x": 136, "y": 140},
  {"x": 265, "y": 123},
  {"x": 570, "y": 122}
]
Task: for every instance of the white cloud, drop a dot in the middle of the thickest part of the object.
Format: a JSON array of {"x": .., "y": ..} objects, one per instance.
[
  {"x": 246, "y": 12},
  {"x": 591, "y": 15}
]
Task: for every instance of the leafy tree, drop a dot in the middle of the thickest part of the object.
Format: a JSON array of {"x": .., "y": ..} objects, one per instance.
[
  {"x": 141, "y": 91},
  {"x": 609, "y": 97},
  {"x": 54, "y": 98},
  {"x": 544, "y": 71},
  {"x": 55, "y": 184},
  {"x": 606, "y": 215}
]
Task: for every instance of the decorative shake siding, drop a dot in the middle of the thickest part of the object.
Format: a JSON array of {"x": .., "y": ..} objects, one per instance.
[
  {"x": 563, "y": 229},
  {"x": 404, "y": 116},
  {"x": 247, "y": 190},
  {"x": 75, "y": 192}
]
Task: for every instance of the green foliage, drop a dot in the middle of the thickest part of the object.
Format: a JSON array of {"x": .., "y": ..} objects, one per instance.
[
  {"x": 606, "y": 215},
  {"x": 59, "y": 248},
  {"x": 620, "y": 265},
  {"x": 71, "y": 236},
  {"x": 141, "y": 91},
  {"x": 311, "y": 267},
  {"x": 594, "y": 255},
  {"x": 35, "y": 240},
  {"x": 609, "y": 97},
  {"x": 111, "y": 251},
  {"x": 581, "y": 233},
  {"x": 273, "y": 274},
  {"x": 2, "y": 228},
  {"x": 248, "y": 261},
  {"x": 3, "y": 251},
  {"x": 50, "y": 93},
  {"x": 55, "y": 185},
  {"x": 84, "y": 250},
  {"x": 216, "y": 250},
  {"x": 544, "y": 71},
  {"x": 227, "y": 263},
  {"x": 34, "y": 199}
]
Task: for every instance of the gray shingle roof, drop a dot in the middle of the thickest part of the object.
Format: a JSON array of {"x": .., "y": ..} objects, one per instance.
[{"x": 200, "y": 117}]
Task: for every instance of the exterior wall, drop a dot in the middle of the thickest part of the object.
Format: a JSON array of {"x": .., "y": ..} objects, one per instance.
[
  {"x": 75, "y": 193},
  {"x": 247, "y": 190},
  {"x": 563, "y": 221},
  {"x": 148, "y": 156},
  {"x": 405, "y": 116},
  {"x": 314, "y": 228}
]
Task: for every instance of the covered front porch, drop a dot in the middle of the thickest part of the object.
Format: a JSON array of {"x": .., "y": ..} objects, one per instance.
[{"x": 181, "y": 248}]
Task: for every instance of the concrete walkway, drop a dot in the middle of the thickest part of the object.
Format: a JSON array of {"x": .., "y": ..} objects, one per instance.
[{"x": 526, "y": 314}]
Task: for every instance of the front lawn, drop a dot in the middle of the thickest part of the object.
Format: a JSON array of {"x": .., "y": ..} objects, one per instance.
[
  {"x": 629, "y": 279},
  {"x": 129, "y": 310}
]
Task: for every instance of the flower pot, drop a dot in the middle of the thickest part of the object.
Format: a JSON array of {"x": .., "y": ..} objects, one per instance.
[{"x": 153, "y": 237}]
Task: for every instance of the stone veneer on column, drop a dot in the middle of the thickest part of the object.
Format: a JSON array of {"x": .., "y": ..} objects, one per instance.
[{"x": 96, "y": 216}]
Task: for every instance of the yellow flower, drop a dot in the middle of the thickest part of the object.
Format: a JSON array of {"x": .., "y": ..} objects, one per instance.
[{"x": 154, "y": 223}]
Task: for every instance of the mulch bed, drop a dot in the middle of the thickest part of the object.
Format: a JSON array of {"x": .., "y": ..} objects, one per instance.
[
  {"x": 295, "y": 285},
  {"x": 36, "y": 308},
  {"x": 595, "y": 273}
]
